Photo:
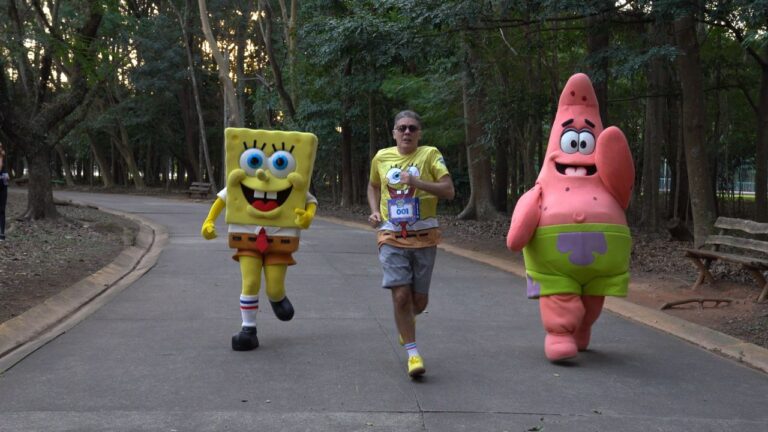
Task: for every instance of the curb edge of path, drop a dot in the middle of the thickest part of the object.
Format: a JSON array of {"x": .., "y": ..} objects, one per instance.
[
  {"x": 24, "y": 334},
  {"x": 719, "y": 343}
]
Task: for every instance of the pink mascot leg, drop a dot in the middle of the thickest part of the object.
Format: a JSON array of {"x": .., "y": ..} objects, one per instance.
[
  {"x": 593, "y": 305},
  {"x": 561, "y": 316}
]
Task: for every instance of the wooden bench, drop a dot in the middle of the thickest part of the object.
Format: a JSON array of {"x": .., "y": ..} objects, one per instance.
[
  {"x": 737, "y": 236},
  {"x": 199, "y": 189}
]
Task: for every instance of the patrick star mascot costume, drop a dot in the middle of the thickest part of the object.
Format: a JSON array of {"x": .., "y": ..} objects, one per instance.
[{"x": 571, "y": 226}]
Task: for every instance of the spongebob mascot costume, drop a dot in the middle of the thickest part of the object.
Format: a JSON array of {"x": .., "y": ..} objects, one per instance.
[{"x": 267, "y": 203}]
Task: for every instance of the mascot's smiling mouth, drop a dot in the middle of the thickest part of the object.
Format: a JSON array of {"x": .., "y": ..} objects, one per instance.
[
  {"x": 265, "y": 201},
  {"x": 401, "y": 193},
  {"x": 575, "y": 171}
]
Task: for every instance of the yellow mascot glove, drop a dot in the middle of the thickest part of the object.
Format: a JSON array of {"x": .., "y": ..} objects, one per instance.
[
  {"x": 304, "y": 217},
  {"x": 208, "y": 230}
]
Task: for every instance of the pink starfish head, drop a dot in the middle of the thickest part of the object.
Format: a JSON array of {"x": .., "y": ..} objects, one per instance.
[{"x": 571, "y": 147}]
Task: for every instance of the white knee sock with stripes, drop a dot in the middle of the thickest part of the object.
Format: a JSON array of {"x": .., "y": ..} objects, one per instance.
[{"x": 249, "y": 306}]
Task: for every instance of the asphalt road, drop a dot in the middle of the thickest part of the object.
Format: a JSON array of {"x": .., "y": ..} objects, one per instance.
[{"x": 156, "y": 356}]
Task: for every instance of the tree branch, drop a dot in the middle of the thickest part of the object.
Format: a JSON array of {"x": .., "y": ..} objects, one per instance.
[{"x": 266, "y": 34}]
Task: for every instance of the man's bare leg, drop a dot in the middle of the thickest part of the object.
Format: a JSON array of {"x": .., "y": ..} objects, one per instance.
[{"x": 402, "y": 301}]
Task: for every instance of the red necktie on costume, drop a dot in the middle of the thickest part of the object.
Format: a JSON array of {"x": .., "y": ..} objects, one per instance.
[
  {"x": 261, "y": 240},
  {"x": 403, "y": 231}
]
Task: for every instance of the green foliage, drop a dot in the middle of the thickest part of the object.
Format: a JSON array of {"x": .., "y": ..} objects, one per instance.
[{"x": 357, "y": 59}]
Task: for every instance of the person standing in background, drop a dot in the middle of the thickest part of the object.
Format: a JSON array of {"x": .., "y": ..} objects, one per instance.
[{"x": 3, "y": 191}]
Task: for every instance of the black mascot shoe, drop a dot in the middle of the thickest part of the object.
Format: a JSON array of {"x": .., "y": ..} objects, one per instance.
[
  {"x": 283, "y": 309},
  {"x": 245, "y": 339}
]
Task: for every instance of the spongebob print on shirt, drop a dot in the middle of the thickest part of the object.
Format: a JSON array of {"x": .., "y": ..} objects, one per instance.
[{"x": 418, "y": 207}]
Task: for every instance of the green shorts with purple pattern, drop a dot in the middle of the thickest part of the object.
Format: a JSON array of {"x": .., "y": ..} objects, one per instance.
[{"x": 582, "y": 259}]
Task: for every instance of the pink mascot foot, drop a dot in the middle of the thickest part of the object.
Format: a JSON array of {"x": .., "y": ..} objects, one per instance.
[
  {"x": 559, "y": 347},
  {"x": 582, "y": 336},
  {"x": 561, "y": 316},
  {"x": 593, "y": 305}
]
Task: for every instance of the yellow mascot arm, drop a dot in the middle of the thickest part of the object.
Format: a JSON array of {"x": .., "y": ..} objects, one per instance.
[
  {"x": 209, "y": 225},
  {"x": 304, "y": 217}
]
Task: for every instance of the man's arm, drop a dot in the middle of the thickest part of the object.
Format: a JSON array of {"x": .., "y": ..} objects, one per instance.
[
  {"x": 442, "y": 188},
  {"x": 374, "y": 201}
]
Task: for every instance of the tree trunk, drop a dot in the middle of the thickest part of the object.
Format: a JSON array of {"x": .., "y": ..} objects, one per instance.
[
  {"x": 598, "y": 39},
  {"x": 241, "y": 34},
  {"x": 40, "y": 195},
  {"x": 696, "y": 157},
  {"x": 290, "y": 18},
  {"x": 104, "y": 168},
  {"x": 503, "y": 147},
  {"x": 346, "y": 145},
  {"x": 480, "y": 205},
  {"x": 191, "y": 138},
  {"x": 65, "y": 167},
  {"x": 531, "y": 141},
  {"x": 233, "y": 118},
  {"x": 655, "y": 134},
  {"x": 265, "y": 25},
  {"x": 761, "y": 153},
  {"x": 501, "y": 174},
  {"x": 124, "y": 147},
  {"x": 189, "y": 43},
  {"x": 371, "y": 129},
  {"x": 31, "y": 118}
]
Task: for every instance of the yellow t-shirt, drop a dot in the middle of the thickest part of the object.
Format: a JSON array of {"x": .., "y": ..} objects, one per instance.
[{"x": 426, "y": 162}]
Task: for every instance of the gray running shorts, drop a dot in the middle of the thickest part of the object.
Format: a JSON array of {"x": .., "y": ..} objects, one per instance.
[{"x": 407, "y": 266}]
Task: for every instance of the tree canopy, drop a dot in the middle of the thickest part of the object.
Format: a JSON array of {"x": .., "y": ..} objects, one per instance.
[{"x": 137, "y": 93}]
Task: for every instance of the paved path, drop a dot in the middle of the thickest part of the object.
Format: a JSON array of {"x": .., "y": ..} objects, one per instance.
[{"x": 156, "y": 357}]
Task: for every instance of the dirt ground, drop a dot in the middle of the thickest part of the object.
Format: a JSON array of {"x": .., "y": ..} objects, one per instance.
[{"x": 40, "y": 258}]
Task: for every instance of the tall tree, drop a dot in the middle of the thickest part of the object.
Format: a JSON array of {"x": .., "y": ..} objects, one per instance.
[
  {"x": 185, "y": 24},
  {"x": 655, "y": 127},
  {"x": 747, "y": 21},
  {"x": 234, "y": 116},
  {"x": 700, "y": 182},
  {"x": 480, "y": 204},
  {"x": 64, "y": 45},
  {"x": 265, "y": 27}
]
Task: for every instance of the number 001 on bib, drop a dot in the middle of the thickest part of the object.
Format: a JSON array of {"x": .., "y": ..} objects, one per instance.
[{"x": 403, "y": 210}]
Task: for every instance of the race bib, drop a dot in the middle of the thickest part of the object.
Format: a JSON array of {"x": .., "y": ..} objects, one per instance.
[{"x": 403, "y": 210}]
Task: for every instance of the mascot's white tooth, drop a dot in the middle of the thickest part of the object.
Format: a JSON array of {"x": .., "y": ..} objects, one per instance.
[
  {"x": 272, "y": 195},
  {"x": 257, "y": 194}
]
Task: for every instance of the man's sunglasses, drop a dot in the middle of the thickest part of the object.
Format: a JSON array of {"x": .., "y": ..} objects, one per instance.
[{"x": 403, "y": 128}]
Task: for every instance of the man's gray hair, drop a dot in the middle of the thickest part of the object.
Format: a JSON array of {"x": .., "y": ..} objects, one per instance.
[{"x": 408, "y": 114}]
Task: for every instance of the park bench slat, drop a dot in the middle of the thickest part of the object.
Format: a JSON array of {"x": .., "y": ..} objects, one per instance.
[
  {"x": 747, "y": 226},
  {"x": 738, "y": 259},
  {"x": 199, "y": 188},
  {"x": 737, "y": 242},
  {"x": 750, "y": 253}
]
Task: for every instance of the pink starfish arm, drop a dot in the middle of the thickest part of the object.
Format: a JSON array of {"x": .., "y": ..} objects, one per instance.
[
  {"x": 525, "y": 219},
  {"x": 614, "y": 164}
]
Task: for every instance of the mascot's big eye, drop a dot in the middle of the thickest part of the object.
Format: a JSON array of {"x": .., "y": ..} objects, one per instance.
[
  {"x": 569, "y": 142},
  {"x": 393, "y": 175},
  {"x": 586, "y": 143},
  {"x": 412, "y": 170},
  {"x": 282, "y": 163},
  {"x": 251, "y": 160}
]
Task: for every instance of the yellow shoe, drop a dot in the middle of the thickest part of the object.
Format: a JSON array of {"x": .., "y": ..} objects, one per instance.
[{"x": 415, "y": 366}]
